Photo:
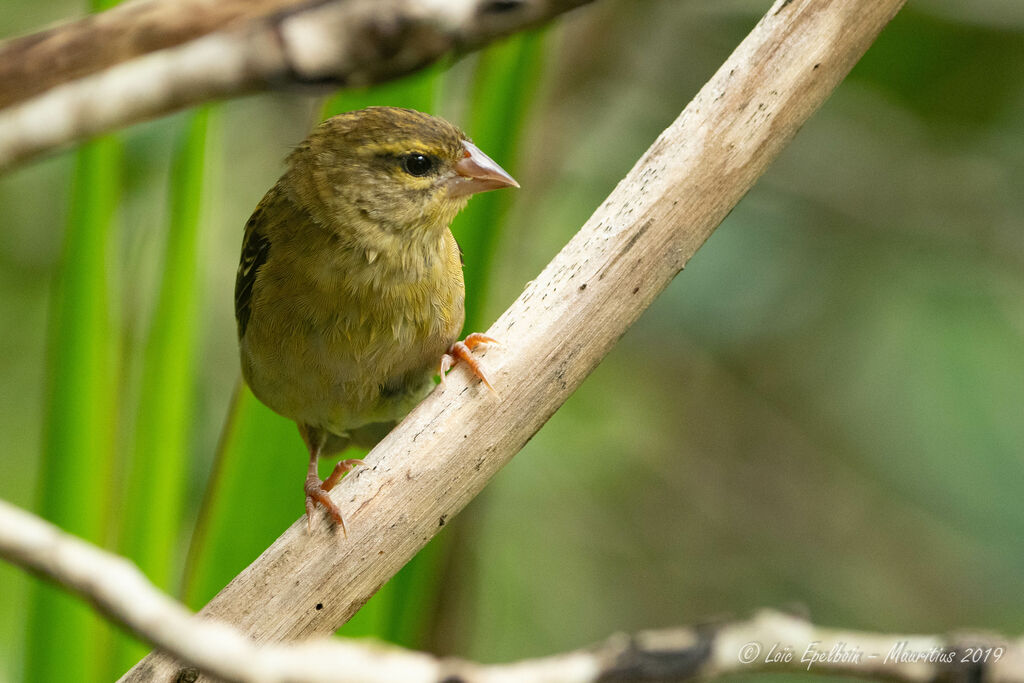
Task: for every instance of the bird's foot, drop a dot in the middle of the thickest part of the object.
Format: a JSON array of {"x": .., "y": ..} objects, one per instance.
[
  {"x": 316, "y": 492},
  {"x": 462, "y": 351}
]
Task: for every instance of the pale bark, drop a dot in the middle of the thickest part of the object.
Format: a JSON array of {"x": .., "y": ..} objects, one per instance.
[
  {"x": 769, "y": 642},
  {"x": 145, "y": 58}
]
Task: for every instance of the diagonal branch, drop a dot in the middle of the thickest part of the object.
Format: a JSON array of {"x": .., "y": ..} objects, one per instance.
[
  {"x": 770, "y": 642},
  {"x": 559, "y": 329},
  {"x": 150, "y": 57}
]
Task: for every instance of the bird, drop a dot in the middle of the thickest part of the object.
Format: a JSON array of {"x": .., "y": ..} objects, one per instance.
[{"x": 349, "y": 295}]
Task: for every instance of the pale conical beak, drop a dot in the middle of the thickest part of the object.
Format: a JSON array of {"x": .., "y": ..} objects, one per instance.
[{"x": 477, "y": 172}]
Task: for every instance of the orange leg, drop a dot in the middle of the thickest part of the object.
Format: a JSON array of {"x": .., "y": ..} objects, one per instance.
[
  {"x": 462, "y": 351},
  {"x": 316, "y": 490}
]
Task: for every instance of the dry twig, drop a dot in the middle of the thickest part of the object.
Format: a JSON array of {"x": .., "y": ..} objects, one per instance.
[
  {"x": 771, "y": 641},
  {"x": 150, "y": 57}
]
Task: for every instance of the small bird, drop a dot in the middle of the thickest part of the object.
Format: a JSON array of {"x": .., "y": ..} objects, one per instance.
[{"x": 349, "y": 296}]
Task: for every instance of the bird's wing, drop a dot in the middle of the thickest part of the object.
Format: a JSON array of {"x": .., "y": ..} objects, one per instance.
[{"x": 255, "y": 249}]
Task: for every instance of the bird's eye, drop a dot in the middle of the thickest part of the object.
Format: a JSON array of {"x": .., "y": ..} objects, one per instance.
[{"x": 417, "y": 164}]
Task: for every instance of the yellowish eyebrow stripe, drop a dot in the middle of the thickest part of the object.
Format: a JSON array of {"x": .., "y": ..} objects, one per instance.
[{"x": 392, "y": 149}]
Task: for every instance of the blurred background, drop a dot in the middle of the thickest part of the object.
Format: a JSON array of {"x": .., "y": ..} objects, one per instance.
[{"x": 824, "y": 411}]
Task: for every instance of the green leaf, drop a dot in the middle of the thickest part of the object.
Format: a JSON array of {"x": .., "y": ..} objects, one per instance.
[
  {"x": 66, "y": 639},
  {"x": 154, "y": 503},
  {"x": 255, "y": 493}
]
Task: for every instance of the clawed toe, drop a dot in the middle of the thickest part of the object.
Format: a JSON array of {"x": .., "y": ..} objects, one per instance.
[
  {"x": 343, "y": 467},
  {"x": 462, "y": 351},
  {"x": 317, "y": 490},
  {"x": 316, "y": 493}
]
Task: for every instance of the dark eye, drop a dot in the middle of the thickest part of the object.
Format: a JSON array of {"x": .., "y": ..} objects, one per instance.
[{"x": 417, "y": 164}]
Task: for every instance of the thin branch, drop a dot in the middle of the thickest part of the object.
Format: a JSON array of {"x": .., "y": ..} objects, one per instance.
[
  {"x": 150, "y": 57},
  {"x": 441, "y": 456},
  {"x": 771, "y": 641},
  {"x": 120, "y": 590}
]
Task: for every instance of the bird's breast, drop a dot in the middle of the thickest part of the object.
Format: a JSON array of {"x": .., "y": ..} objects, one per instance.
[{"x": 342, "y": 351}]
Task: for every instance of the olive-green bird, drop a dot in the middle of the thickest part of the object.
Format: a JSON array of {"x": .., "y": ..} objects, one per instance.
[{"x": 349, "y": 295}]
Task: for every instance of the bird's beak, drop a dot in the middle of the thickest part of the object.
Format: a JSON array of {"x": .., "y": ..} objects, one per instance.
[{"x": 477, "y": 172}]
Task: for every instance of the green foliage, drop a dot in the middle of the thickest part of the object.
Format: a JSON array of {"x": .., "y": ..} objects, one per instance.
[
  {"x": 929, "y": 63},
  {"x": 417, "y": 91},
  {"x": 155, "y": 496},
  {"x": 248, "y": 501},
  {"x": 66, "y": 639}
]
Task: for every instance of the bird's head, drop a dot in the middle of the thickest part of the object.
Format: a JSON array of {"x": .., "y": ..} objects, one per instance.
[{"x": 398, "y": 170}]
